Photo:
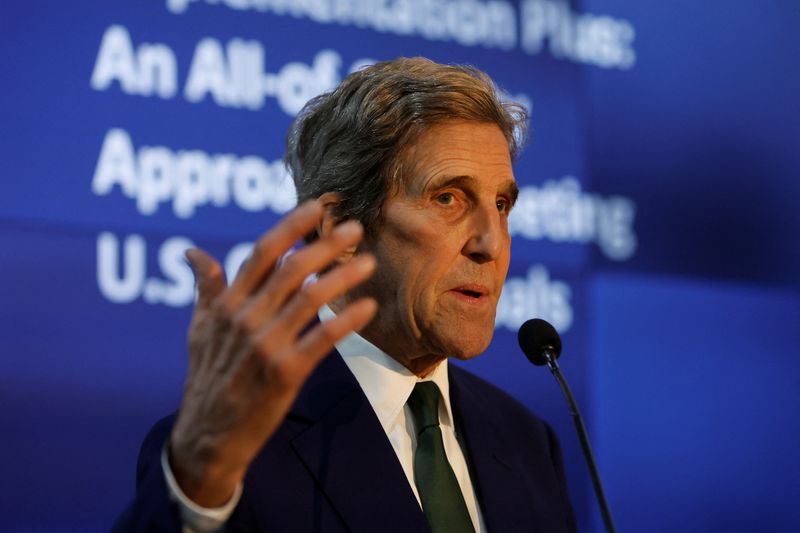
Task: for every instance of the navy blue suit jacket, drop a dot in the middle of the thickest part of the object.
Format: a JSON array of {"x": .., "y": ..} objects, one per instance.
[{"x": 330, "y": 467}]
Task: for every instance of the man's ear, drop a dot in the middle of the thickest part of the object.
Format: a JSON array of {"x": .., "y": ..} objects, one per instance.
[{"x": 330, "y": 201}]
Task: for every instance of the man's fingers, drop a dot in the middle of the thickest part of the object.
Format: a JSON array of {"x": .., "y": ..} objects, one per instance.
[
  {"x": 208, "y": 274},
  {"x": 320, "y": 340},
  {"x": 271, "y": 246},
  {"x": 290, "y": 276},
  {"x": 306, "y": 302}
]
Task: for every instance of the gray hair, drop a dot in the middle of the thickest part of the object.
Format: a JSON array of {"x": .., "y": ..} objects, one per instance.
[{"x": 351, "y": 141}]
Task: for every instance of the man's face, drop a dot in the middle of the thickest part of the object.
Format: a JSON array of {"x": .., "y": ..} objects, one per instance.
[{"x": 443, "y": 248}]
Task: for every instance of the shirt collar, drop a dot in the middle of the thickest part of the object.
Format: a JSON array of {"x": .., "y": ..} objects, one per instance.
[{"x": 386, "y": 383}]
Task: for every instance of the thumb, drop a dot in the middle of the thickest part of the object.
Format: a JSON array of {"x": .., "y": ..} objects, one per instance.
[{"x": 208, "y": 276}]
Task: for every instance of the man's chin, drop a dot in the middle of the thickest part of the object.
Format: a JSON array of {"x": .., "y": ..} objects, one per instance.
[{"x": 467, "y": 346}]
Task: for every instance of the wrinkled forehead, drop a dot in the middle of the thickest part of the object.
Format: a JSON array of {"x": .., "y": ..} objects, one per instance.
[{"x": 452, "y": 148}]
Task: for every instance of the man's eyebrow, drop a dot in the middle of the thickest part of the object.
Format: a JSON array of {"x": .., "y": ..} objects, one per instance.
[
  {"x": 451, "y": 181},
  {"x": 512, "y": 190},
  {"x": 509, "y": 188}
]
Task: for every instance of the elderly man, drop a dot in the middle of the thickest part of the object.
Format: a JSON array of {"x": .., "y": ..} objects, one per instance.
[{"x": 291, "y": 421}]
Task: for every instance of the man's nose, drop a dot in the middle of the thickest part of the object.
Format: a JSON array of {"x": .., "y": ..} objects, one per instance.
[{"x": 488, "y": 235}]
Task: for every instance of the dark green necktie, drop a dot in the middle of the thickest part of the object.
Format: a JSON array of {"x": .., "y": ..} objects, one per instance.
[{"x": 442, "y": 500}]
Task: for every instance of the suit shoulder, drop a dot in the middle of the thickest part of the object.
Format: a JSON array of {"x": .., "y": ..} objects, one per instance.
[
  {"x": 527, "y": 442},
  {"x": 464, "y": 382}
]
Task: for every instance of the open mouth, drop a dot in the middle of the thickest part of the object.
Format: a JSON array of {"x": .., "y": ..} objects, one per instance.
[{"x": 471, "y": 294}]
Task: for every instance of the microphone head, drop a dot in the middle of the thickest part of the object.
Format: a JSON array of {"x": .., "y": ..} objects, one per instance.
[{"x": 537, "y": 336}]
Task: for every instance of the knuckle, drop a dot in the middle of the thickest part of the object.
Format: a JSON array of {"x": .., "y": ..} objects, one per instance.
[
  {"x": 244, "y": 321},
  {"x": 266, "y": 345},
  {"x": 266, "y": 349},
  {"x": 274, "y": 377},
  {"x": 276, "y": 369},
  {"x": 300, "y": 301},
  {"x": 294, "y": 222},
  {"x": 292, "y": 262},
  {"x": 262, "y": 251},
  {"x": 327, "y": 333},
  {"x": 309, "y": 296},
  {"x": 215, "y": 272},
  {"x": 279, "y": 375},
  {"x": 223, "y": 307}
]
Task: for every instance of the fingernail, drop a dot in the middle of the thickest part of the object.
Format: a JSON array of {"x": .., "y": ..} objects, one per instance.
[
  {"x": 309, "y": 206},
  {"x": 365, "y": 263},
  {"x": 351, "y": 228},
  {"x": 370, "y": 304}
]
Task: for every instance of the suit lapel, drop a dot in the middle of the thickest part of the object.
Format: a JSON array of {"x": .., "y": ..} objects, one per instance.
[
  {"x": 346, "y": 451},
  {"x": 502, "y": 494}
]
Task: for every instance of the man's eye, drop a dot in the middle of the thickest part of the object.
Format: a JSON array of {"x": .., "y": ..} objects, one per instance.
[{"x": 445, "y": 198}]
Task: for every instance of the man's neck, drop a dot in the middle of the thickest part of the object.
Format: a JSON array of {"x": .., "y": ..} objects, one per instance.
[{"x": 420, "y": 365}]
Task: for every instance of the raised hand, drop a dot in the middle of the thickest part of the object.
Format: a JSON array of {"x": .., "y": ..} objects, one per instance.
[{"x": 248, "y": 353}]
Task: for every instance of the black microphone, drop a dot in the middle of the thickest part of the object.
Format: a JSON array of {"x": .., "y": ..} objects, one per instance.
[{"x": 541, "y": 343}]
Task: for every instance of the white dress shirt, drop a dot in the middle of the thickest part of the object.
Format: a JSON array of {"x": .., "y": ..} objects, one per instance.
[{"x": 387, "y": 385}]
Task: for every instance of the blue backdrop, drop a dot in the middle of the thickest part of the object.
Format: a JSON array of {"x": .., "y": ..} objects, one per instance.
[{"x": 657, "y": 228}]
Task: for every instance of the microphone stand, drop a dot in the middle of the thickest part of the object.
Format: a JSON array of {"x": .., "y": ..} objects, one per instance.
[{"x": 550, "y": 360}]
